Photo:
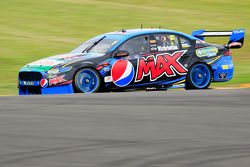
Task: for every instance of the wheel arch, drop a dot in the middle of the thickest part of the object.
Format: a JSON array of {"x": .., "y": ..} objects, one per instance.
[
  {"x": 202, "y": 62},
  {"x": 89, "y": 65},
  {"x": 189, "y": 70}
]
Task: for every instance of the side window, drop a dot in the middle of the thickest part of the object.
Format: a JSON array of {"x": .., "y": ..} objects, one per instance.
[
  {"x": 166, "y": 42},
  {"x": 137, "y": 45},
  {"x": 185, "y": 43}
]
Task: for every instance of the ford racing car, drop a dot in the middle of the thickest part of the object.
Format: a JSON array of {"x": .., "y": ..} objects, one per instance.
[{"x": 134, "y": 59}]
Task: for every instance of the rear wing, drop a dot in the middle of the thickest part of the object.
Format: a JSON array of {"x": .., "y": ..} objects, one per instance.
[{"x": 236, "y": 39}]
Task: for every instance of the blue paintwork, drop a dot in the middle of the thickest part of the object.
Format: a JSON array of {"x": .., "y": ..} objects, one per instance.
[
  {"x": 197, "y": 33},
  {"x": 134, "y": 32},
  {"x": 217, "y": 68},
  {"x": 23, "y": 90},
  {"x": 237, "y": 36},
  {"x": 200, "y": 75},
  {"x": 91, "y": 78},
  {"x": 63, "y": 89}
]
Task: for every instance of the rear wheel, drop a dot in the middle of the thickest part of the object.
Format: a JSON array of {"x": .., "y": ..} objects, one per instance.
[
  {"x": 87, "y": 80},
  {"x": 199, "y": 77}
]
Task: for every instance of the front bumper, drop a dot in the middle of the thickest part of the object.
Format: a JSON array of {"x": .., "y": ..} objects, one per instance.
[
  {"x": 36, "y": 82},
  {"x": 32, "y": 90}
]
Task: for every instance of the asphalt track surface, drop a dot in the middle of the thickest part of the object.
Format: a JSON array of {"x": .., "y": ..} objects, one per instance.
[{"x": 175, "y": 128}]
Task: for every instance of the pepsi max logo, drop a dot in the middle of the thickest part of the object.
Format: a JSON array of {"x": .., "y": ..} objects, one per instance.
[
  {"x": 44, "y": 83},
  {"x": 122, "y": 73}
]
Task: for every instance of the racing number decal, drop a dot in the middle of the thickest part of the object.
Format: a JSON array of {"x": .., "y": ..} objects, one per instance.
[{"x": 157, "y": 66}]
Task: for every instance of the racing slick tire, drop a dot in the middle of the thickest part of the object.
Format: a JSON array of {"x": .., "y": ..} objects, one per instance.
[
  {"x": 87, "y": 80},
  {"x": 199, "y": 76}
]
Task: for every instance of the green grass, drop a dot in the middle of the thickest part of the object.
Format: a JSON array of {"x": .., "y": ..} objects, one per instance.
[{"x": 32, "y": 29}]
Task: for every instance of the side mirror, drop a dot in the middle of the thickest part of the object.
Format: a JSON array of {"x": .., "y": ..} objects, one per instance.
[{"x": 122, "y": 53}]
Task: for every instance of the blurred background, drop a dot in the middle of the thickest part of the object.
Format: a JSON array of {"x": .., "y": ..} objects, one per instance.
[{"x": 33, "y": 29}]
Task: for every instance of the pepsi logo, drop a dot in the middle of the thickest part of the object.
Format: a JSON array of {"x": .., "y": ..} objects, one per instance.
[
  {"x": 44, "y": 83},
  {"x": 122, "y": 73}
]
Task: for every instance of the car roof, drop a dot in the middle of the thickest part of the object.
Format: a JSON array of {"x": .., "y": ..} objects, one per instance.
[{"x": 128, "y": 33}]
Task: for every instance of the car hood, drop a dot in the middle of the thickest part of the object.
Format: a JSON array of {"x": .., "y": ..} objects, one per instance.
[{"x": 57, "y": 60}]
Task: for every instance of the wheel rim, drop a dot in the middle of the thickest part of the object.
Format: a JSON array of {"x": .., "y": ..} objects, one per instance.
[
  {"x": 200, "y": 75},
  {"x": 87, "y": 81}
]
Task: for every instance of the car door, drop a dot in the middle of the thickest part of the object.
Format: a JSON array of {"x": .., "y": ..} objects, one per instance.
[
  {"x": 124, "y": 68},
  {"x": 164, "y": 64}
]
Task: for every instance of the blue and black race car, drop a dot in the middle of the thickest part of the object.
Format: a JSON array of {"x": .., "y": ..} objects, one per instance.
[{"x": 134, "y": 59}]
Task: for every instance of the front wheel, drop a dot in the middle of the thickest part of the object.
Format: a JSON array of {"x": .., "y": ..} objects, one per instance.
[
  {"x": 199, "y": 77},
  {"x": 87, "y": 80}
]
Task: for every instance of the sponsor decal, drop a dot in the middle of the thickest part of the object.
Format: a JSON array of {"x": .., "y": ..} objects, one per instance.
[
  {"x": 185, "y": 45},
  {"x": 225, "y": 67},
  {"x": 57, "y": 80},
  {"x": 106, "y": 69},
  {"x": 66, "y": 56},
  {"x": 65, "y": 69},
  {"x": 159, "y": 65},
  {"x": 172, "y": 37},
  {"x": 235, "y": 44},
  {"x": 238, "y": 31},
  {"x": 53, "y": 71},
  {"x": 222, "y": 75},
  {"x": 59, "y": 70},
  {"x": 31, "y": 83},
  {"x": 163, "y": 38},
  {"x": 122, "y": 72},
  {"x": 28, "y": 83},
  {"x": 44, "y": 83},
  {"x": 165, "y": 48},
  {"x": 108, "y": 79},
  {"x": 152, "y": 42},
  {"x": 101, "y": 66},
  {"x": 153, "y": 48},
  {"x": 207, "y": 52},
  {"x": 45, "y": 63},
  {"x": 200, "y": 42},
  {"x": 52, "y": 76}
]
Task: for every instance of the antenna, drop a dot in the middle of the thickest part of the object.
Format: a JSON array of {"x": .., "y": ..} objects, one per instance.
[{"x": 141, "y": 26}]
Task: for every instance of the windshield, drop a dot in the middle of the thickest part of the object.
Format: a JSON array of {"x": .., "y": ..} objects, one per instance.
[{"x": 100, "y": 45}]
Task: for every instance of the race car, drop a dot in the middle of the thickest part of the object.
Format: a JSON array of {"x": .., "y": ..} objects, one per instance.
[{"x": 134, "y": 59}]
